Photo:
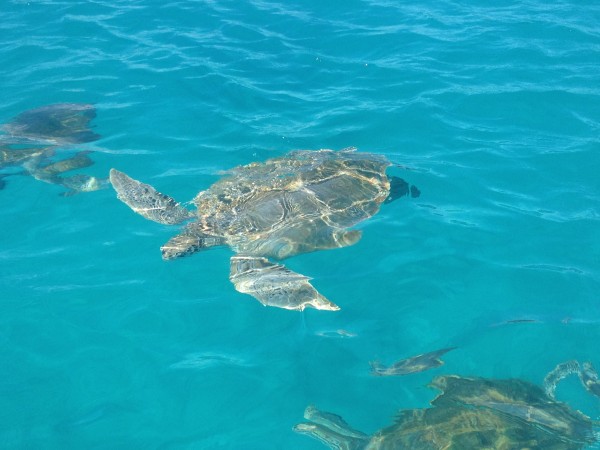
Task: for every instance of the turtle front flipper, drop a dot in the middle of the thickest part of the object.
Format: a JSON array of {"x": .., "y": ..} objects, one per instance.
[
  {"x": 147, "y": 201},
  {"x": 77, "y": 161},
  {"x": 331, "y": 430},
  {"x": 557, "y": 374},
  {"x": 275, "y": 285},
  {"x": 586, "y": 373},
  {"x": 192, "y": 240}
]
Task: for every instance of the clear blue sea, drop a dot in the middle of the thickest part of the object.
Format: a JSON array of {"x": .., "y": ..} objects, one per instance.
[{"x": 491, "y": 109}]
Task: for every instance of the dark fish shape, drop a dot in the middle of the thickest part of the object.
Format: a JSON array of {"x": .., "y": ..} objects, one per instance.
[
  {"x": 414, "y": 364},
  {"x": 522, "y": 321}
]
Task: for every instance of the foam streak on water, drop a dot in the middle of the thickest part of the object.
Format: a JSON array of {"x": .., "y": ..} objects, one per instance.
[{"x": 492, "y": 111}]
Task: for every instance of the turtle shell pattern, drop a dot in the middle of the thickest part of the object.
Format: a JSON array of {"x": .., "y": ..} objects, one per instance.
[{"x": 295, "y": 203}]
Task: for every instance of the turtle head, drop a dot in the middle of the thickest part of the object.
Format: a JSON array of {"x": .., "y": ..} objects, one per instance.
[
  {"x": 325, "y": 435},
  {"x": 320, "y": 302}
]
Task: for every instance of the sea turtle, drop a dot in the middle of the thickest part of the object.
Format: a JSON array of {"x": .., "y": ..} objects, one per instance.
[
  {"x": 30, "y": 140},
  {"x": 413, "y": 364},
  {"x": 470, "y": 413},
  {"x": 60, "y": 123},
  {"x": 303, "y": 201}
]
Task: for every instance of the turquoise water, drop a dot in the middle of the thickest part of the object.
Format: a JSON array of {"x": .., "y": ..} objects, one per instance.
[{"x": 494, "y": 111}]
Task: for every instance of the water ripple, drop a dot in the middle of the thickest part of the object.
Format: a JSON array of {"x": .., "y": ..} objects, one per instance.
[{"x": 490, "y": 109}]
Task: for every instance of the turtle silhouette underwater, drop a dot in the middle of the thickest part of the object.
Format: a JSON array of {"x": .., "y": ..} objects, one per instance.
[
  {"x": 31, "y": 139},
  {"x": 303, "y": 201},
  {"x": 58, "y": 124},
  {"x": 469, "y": 413}
]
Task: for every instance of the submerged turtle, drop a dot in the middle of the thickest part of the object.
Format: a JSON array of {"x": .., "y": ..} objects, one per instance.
[
  {"x": 470, "y": 413},
  {"x": 31, "y": 139},
  {"x": 60, "y": 123},
  {"x": 297, "y": 203}
]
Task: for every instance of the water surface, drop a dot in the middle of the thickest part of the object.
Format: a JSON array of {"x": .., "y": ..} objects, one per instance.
[{"x": 494, "y": 112}]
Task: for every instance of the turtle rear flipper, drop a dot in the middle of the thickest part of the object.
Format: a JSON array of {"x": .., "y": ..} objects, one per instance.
[
  {"x": 557, "y": 374},
  {"x": 275, "y": 285},
  {"x": 147, "y": 201}
]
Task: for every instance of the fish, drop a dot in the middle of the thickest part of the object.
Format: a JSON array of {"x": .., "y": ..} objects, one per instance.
[{"x": 414, "y": 364}]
